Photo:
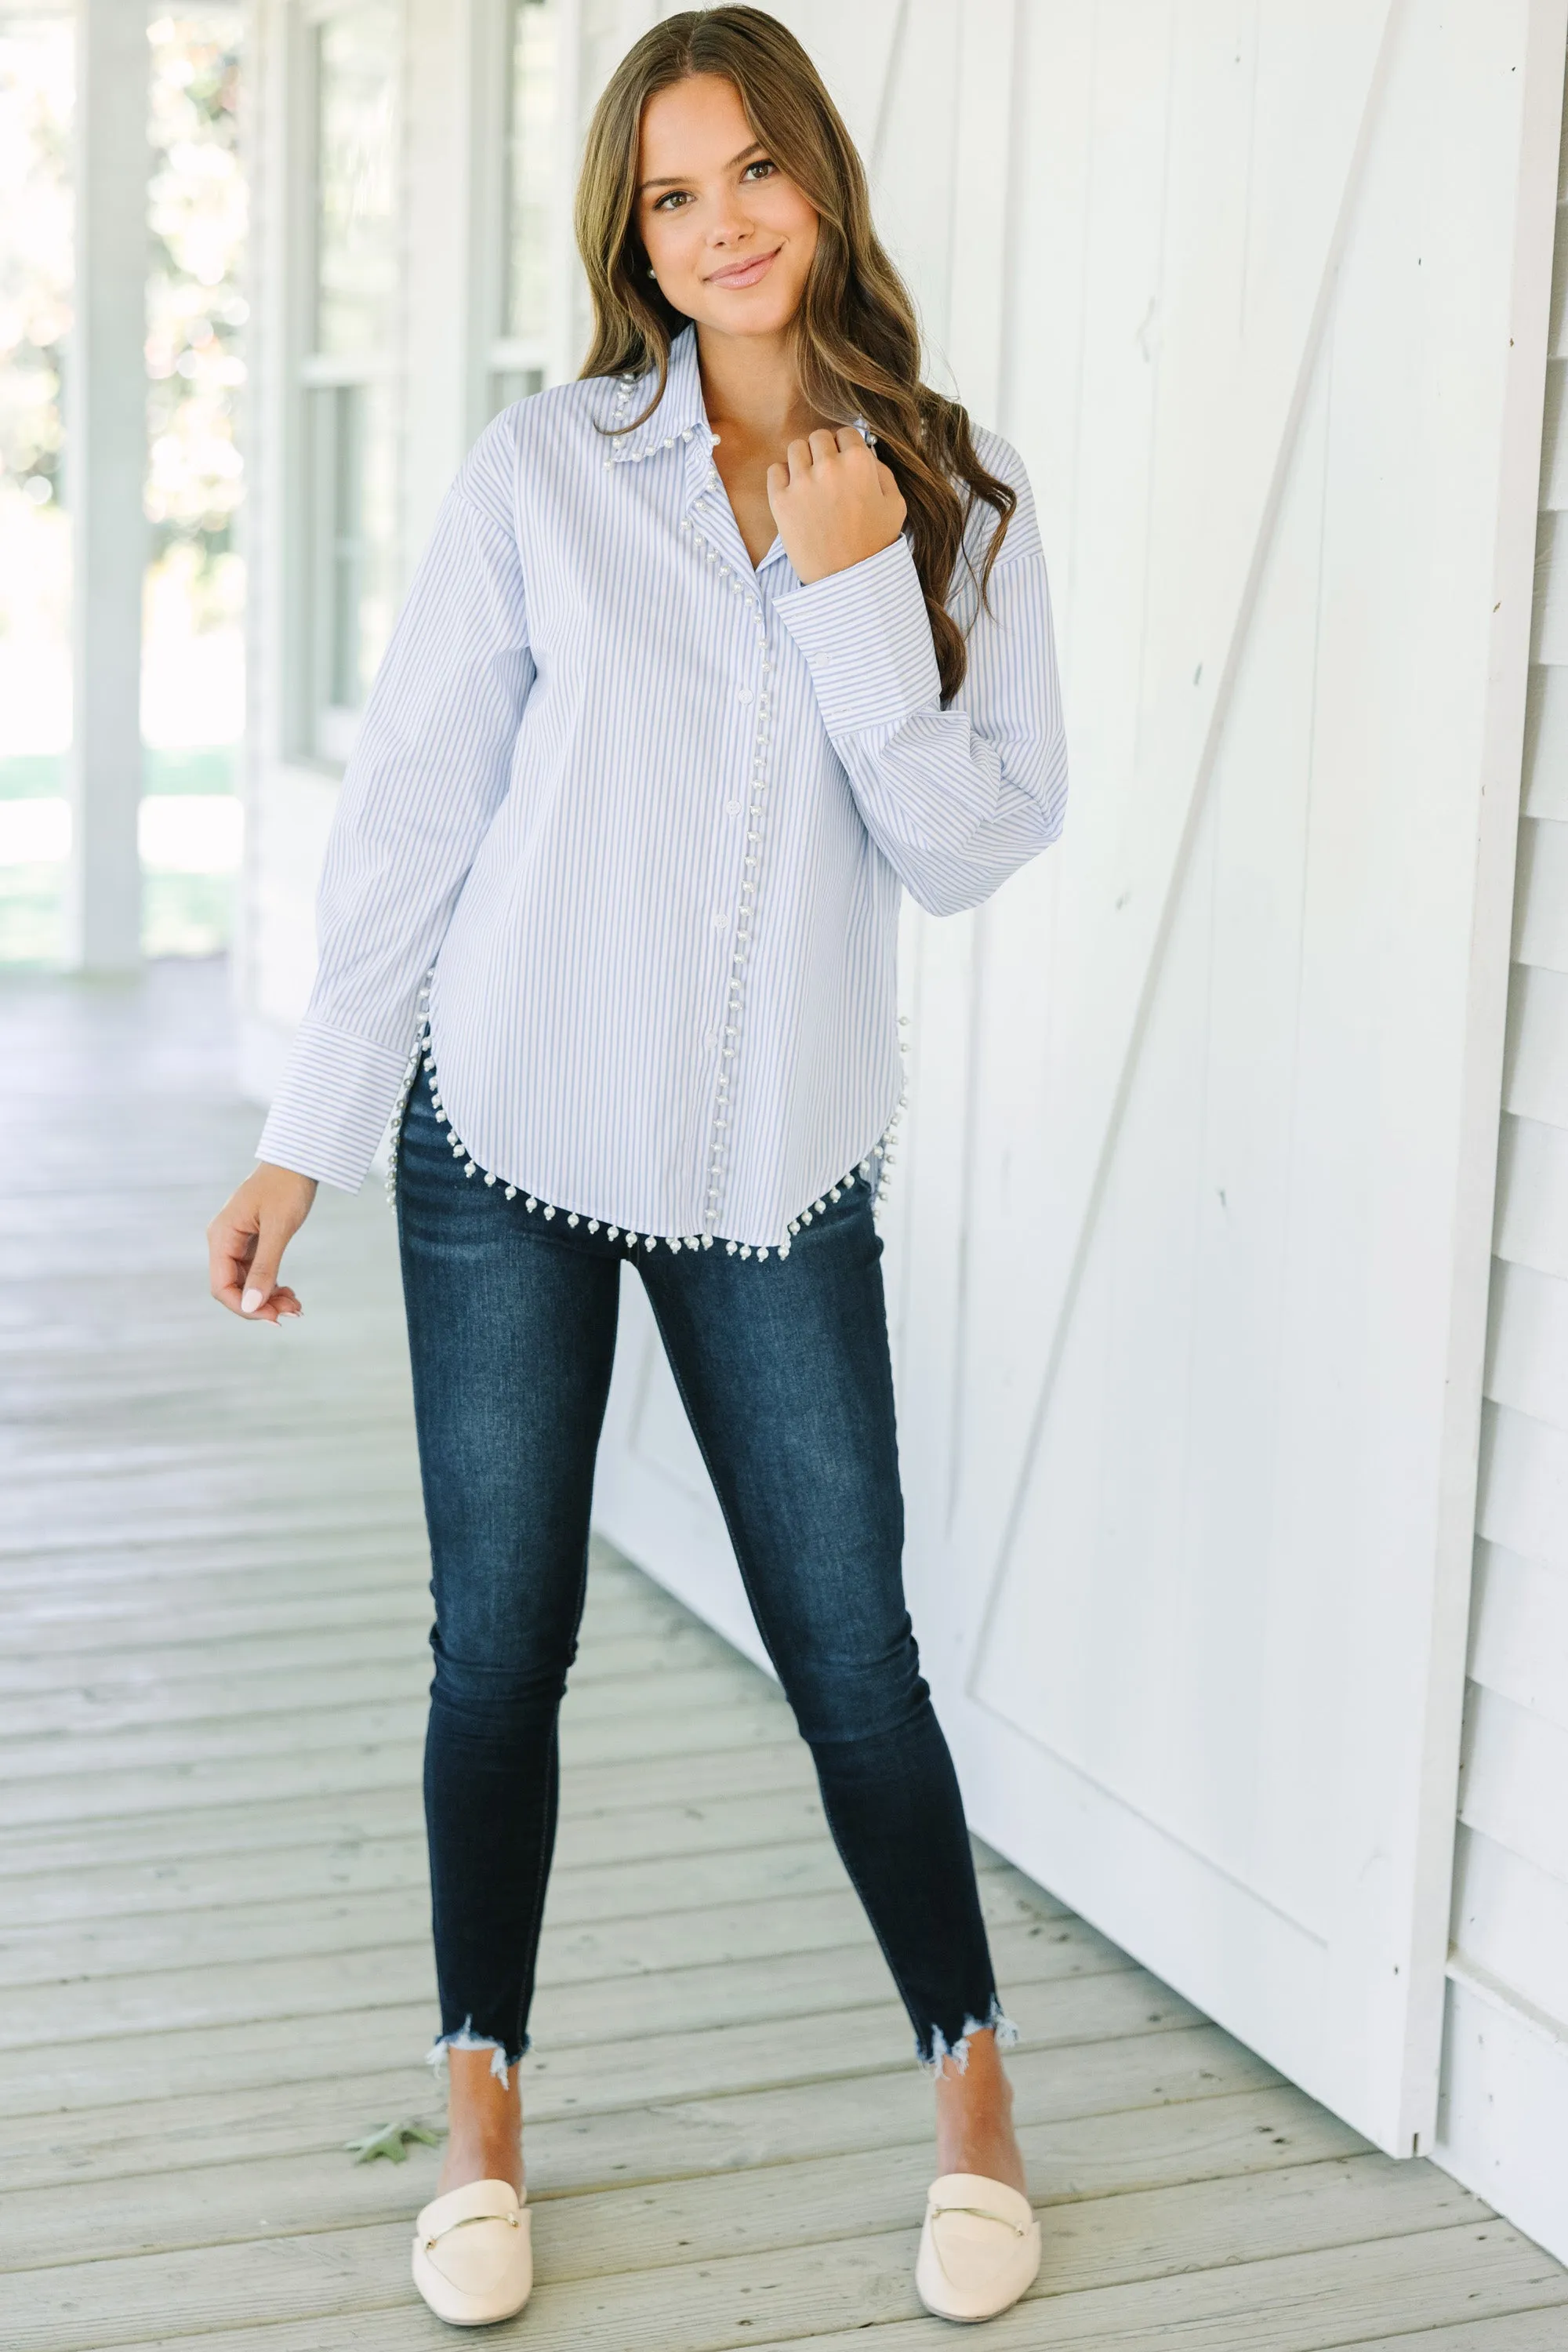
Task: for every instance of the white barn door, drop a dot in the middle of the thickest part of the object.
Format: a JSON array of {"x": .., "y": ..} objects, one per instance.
[{"x": 1188, "y": 1244}]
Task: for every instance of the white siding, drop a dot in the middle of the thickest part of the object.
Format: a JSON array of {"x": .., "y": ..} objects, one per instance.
[{"x": 1504, "y": 2118}]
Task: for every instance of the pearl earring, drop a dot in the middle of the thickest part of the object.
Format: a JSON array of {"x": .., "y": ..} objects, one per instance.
[{"x": 651, "y": 270}]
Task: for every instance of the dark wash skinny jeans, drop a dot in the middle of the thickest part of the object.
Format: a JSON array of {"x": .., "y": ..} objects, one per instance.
[{"x": 785, "y": 1372}]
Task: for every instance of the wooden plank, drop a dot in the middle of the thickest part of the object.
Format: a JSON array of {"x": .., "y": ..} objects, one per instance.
[
  {"x": 1546, "y": 729},
  {"x": 1542, "y": 888},
  {"x": 100, "y": 1757},
  {"x": 1548, "y": 619},
  {"x": 979, "y": 296},
  {"x": 723, "y": 2102},
  {"x": 1533, "y": 1195},
  {"x": 666, "y": 2044},
  {"x": 350, "y": 1681},
  {"x": 1541, "y": 898},
  {"x": 1222, "y": 2140},
  {"x": 1536, "y": 1078},
  {"x": 632, "y": 1928},
  {"x": 1519, "y": 2331},
  {"x": 1511, "y": 1926},
  {"x": 1527, "y": 1349},
  {"x": 190, "y": 1493},
  {"x": 373, "y": 1417},
  {"x": 55, "y": 1629},
  {"x": 183, "y": 2018},
  {"x": 109, "y": 1901},
  {"x": 1554, "y": 442},
  {"x": 372, "y": 1820},
  {"x": 378, "y": 1841},
  {"x": 1506, "y": 2085},
  {"x": 1523, "y": 1502},
  {"x": 62, "y": 1612},
  {"x": 1515, "y": 1767},
  {"x": 357, "y": 1550},
  {"x": 381, "y": 1629},
  {"x": 652, "y": 2243},
  {"x": 1298, "y": 2302},
  {"x": 1519, "y": 1632},
  {"x": 37, "y": 1725},
  {"x": 313, "y": 1560},
  {"x": 353, "y": 1541},
  {"x": 185, "y": 1488},
  {"x": 106, "y": 1647},
  {"x": 761, "y": 1766},
  {"x": 348, "y": 1770}
]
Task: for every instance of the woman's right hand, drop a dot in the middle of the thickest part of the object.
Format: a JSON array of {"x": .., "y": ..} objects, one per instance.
[{"x": 246, "y": 1239}]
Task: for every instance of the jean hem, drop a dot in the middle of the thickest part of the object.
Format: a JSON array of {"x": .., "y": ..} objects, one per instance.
[
  {"x": 502, "y": 2060},
  {"x": 934, "y": 2055}
]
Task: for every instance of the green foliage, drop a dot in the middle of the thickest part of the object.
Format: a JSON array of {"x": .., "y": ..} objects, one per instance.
[
  {"x": 35, "y": 251},
  {"x": 195, "y": 310},
  {"x": 392, "y": 2140}
]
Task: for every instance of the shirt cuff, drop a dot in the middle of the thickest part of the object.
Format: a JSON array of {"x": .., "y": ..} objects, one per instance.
[
  {"x": 331, "y": 1109},
  {"x": 866, "y": 636}
]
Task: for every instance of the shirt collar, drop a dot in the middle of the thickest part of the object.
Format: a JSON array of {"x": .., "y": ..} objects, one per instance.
[{"x": 679, "y": 416}]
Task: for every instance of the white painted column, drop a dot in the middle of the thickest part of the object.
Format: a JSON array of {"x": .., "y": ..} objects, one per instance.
[{"x": 106, "y": 434}]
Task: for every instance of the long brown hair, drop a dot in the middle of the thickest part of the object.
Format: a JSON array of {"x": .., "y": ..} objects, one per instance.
[{"x": 858, "y": 338}]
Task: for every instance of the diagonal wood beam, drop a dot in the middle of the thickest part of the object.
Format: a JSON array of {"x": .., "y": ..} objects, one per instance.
[{"x": 1237, "y": 434}]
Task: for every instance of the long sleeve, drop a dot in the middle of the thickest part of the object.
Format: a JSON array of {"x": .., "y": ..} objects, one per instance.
[
  {"x": 429, "y": 769},
  {"x": 958, "y": 799}
]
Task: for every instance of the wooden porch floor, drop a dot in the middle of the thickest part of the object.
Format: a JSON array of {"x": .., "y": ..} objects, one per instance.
[{"x": 213, "y": 1935}]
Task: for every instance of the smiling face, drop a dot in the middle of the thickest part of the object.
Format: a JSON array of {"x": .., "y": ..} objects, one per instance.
[{"x": 729, "y": 238}]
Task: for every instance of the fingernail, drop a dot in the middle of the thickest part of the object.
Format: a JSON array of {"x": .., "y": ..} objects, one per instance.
[{"x": 251, "y": 1301}]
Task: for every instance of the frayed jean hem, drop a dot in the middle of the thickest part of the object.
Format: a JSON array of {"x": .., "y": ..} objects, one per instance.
[
  {"x": 996, "y": 2021},
  {"x": 501, "y": 2060}
]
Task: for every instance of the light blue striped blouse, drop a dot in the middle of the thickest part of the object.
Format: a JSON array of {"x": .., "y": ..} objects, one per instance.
[{"x": 645, "y": 810}]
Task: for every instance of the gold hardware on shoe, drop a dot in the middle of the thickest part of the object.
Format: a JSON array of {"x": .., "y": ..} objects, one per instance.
[
  {"x": 513, "y": 2221},
  {"x": 981, "y": 2214}
]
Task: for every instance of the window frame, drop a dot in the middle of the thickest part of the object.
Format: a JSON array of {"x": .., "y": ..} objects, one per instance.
[
  {"x": 506, "y": 366},
  {"x": 324, "y": 727}
]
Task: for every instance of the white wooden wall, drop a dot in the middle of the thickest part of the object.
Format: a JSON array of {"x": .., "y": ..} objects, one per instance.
[
  {"x": 1504, "y": 2121},
  {"x": 1188, "y": 1245}
]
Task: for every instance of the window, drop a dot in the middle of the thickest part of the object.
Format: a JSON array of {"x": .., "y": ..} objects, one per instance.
[
  {"x": 522, "y": 358},
  {"x": 349, "y": 375}
]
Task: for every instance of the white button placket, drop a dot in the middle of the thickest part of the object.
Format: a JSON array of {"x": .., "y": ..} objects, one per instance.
[{"x": 761, "y": 697}]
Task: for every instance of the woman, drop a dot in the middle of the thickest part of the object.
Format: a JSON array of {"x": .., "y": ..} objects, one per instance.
[{"x": 691, "y": 680}]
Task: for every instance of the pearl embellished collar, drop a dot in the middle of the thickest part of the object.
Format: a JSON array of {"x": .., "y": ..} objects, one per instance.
[{"x": 679, "y": 416}]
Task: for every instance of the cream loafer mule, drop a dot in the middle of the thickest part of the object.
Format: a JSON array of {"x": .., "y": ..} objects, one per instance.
[
  {"x": 473, "y": 2257},
  {"x": 979, "y": 2247}
]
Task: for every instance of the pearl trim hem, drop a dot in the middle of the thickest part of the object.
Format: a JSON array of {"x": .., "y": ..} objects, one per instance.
[{"x": 872, "y": 1170}]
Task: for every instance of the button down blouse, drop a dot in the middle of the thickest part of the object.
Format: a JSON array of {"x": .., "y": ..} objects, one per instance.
[{"x": 641, "y": 812}]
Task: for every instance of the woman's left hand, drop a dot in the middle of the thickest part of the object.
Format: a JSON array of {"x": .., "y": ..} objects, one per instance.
[{"x": 835, "y": 502}]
